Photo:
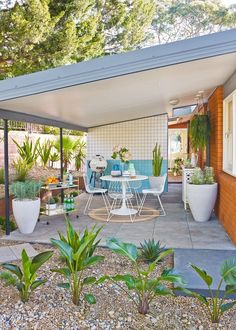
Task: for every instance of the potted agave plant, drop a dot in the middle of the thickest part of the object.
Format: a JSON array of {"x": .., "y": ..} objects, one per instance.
[
  {"x": 157, "y": 161},
  {"x": 26, "y": 204},
  {"x": 202, "y": 193}
]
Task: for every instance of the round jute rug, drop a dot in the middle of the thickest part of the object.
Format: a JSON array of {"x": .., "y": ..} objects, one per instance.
[{"x": 101, "y": 215}]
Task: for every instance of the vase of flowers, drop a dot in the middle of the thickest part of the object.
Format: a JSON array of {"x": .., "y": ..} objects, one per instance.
[{"x": 123, "y": 154}]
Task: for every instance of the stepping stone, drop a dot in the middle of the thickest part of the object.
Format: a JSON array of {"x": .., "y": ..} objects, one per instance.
[
  {"x": 13, "y": 252},
  {"x": 208, "y": 260}
]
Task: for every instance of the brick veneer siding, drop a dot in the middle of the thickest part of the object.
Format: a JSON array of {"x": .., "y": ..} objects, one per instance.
[{"x": 226, "y": 203}]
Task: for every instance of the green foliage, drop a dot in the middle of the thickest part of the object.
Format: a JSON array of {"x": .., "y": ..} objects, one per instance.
[
  {"x": 177, "y": 168},
  {"x": 28, "y": 151},
  {"x": 143, "y": 284},
  {"x": 2, "y": 178},
  {"x": 75, "y": 193},
  {"x": 150, "y": 250},
  {"x": 157, "y": 160},
  {"x": 203, "y": 177},
  {"x": 52, "y": 200},
  {"x": 22, "y": 169},
  {"x": 54, "y": 157},
  {"x": 8, "y": 278},
  {"x": 44, "y": 151},
  {"x": 175, "y": 20},
  {"x": 77, "y": 251},
  {"x": 25, "y": 277},
  {"x": 46, "y": 34},
  {"x": 25, "y": 190},
  {"x": 80, "y": 154},
  {"x": 200, "y": 131},
  {"x": 70, "y": 149},
  {"x": 3, "y": 224},
  {"x": 216, "y": 306}
]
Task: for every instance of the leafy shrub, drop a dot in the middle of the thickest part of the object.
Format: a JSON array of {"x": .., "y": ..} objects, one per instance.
[
  {"x": 75, "y": 193},
  {"x": 77, "y": 252},
  {"x": 200, "y": 130},
  {"x": 3, "y": 224},
  {"x": 150, "y": 250},
  {"x": 25, "y": 278},
  {"x": 25, "y": 190},
  {"x": 54, "y": 157},
  {"x": 44, "y": 151},
  {"x": 216, "y": 306},
  {"x": 28, "y": 151},
  {"x": 22, "y": 169},
  {"x": 203, "y": 177},
  {"x": 2, "y": 179},
  {"x": 145, "y": 286}
]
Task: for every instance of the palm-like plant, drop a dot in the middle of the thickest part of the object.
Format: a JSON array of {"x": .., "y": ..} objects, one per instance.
[
  {"x": 70, "y": 148},
  {"x": 144, "y": 285},
  {"x": 216, "y": 305},
  {"x": 54, "y": 157},
  {"x": 28, "y": 151},
  {"x": 44, "y": 151},
  {"x": 25, "y": 277},
  {"x": 80, "y": 154},
  {"x": 77, "y": 252}
]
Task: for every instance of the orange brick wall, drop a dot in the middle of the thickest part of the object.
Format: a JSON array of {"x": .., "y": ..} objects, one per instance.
[{"x": 226, "y": 202}]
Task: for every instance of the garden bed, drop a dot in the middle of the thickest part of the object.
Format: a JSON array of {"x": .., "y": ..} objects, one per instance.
[{"x": 50, "y": 307}]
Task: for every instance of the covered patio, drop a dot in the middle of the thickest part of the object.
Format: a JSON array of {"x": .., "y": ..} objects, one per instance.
[{"x": 122, "y": 98}]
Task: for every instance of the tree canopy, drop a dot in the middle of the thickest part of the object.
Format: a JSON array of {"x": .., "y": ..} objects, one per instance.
[{"x": 40, "y": 34}]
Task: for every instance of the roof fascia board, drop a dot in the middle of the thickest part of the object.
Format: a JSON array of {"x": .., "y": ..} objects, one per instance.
[
  {"x": 215, "y": 44},
  {"x": 19, "y": 116}
]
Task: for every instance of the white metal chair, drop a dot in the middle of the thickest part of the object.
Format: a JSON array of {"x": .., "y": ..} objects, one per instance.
[
  {"x": 156, "y": 189},
  {"x": 91, "y": 191}
]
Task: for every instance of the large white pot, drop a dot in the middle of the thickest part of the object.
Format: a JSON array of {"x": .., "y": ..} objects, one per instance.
[
  {"x": 201, "y": 199},
  {"x": 26, "y": 213}
]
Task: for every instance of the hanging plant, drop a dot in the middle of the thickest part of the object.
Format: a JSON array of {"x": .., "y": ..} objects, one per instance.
[{"x": 200, "y": 131}]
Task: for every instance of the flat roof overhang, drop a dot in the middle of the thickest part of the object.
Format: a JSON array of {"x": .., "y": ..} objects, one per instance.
[{"x": 123, "y": 86}]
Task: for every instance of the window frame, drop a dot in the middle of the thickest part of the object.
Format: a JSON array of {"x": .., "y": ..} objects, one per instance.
[{"x": 227, "y": 100}]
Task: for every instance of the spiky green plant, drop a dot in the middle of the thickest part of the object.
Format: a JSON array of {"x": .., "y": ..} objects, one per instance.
[
  {"x": 200, "y": 130},
  {"x": 2, "y": 179},
  {"x": 151, "y": 250},
  {"x": 25, "y": 190},
  {"x": 44, "y": 151},
  {"x": 54, "y": 157},
  {"x": 157, "y": 160},
  {"x": 28, "y": 151},
  {"x": 22, "y": 169}
]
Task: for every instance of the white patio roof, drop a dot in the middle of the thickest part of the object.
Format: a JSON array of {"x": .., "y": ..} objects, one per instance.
[{"x": 121, "y": 87}]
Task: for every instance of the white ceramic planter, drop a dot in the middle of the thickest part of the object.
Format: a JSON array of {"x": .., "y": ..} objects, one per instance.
[
  {"x": 201, "y": 199},
  {"x": 51, "y": 206},
  {"x": 26, "y": 213}
]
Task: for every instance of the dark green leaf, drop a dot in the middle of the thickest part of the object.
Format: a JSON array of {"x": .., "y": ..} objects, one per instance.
[
  {"x": 89, "y": 280},
  {"x": 64, "y": 248},
  {"x": 92, "y": 260},
  {"x": 90, "y": 298},
  {"x": 203, "y": 274},
  {"x": 63, "y": 271},
  {"x": 128, "y": 279},
  {"x": 225, "y": 307},
  {"x": 125, "y": 249},
  {"x": 39, "y": 260},
  {"x": 64, "y": 285},
  {"x": 13, "y": 269},
  {"x": 228, "y": 271},
  {"x": 37, "y": 283}
]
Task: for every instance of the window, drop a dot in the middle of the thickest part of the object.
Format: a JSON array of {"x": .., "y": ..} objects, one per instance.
[{"x": 229, "y": 134}]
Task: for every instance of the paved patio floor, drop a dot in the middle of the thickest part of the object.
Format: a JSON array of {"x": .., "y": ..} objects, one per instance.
[{"x": 177, "y": 229}]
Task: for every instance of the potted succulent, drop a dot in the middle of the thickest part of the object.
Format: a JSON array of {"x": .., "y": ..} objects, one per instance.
[
  {"x": 202, "y": 193},
  {"x": 157, "y": 161},
  {"x": 52, "y": 203},
  {"x": 26, "y": 204}
]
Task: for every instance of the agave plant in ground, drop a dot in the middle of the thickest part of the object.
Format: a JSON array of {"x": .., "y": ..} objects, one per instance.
[
  {"x": 144, "y": 284},
  {"x": 216, "y": 305},
  {"x": 77, "y": 252},
  {"x": 150, "y": 250},
  {"x": 25, "y": 277},
  {"x": 28, "y": 151}
]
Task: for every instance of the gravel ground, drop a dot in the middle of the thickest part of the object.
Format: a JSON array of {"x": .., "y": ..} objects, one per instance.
[{"x": 51, "y": 308}]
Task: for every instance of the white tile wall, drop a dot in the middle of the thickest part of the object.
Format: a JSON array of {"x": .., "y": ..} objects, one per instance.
[{"x": 139, "y": 136}]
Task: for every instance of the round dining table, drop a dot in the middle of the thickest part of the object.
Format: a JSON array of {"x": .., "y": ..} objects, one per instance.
[{"x": 124, "y": 210}]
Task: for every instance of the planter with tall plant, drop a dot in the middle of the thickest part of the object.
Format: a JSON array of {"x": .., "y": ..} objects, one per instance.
[
  {"x": 157, "y": 161},
  {"x": 202, "y": 193},
  {"x": 26, "y": 204}
]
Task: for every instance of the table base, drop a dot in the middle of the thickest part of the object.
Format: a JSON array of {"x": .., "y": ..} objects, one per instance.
[{"x": 124, "y": 211}]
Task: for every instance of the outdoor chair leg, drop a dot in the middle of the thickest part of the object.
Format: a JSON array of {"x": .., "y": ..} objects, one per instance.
[
  {"x": 107, "y": 206},
  {"x": 142, "y": 203},
  {"x": 87, "y": 206},
  {"x": 162, "y": 208}
]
